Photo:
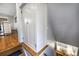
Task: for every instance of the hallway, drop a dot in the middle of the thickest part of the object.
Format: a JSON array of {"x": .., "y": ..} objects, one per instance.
[{"x": 39, "y": 29}]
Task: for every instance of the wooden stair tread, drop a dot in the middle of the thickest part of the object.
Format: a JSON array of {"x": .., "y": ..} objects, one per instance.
[
  {"x": 22, "y": 54},
  {"x": 10, "y": 50}
]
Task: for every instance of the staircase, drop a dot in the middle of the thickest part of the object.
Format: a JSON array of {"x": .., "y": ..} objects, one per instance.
[
  {"x": 15, "y": 51},
  {"x": 18, "y": 51}
]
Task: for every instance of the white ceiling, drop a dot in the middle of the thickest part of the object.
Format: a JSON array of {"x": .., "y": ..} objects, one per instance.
[{"x": 8, "y": 9}]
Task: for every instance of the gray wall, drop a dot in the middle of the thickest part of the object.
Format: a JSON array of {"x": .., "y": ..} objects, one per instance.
[{"x": 63, "y": 20}]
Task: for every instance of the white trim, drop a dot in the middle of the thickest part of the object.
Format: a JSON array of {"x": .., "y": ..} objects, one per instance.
[
  {"x": 67, "y": 48},
  {"x": 3, "y": 17}
]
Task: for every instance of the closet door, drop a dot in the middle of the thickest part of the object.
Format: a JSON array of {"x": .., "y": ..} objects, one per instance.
[{"x": 29, "y": 16}]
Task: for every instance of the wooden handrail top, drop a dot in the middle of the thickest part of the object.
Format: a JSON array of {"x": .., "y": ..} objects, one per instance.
[{"x": 31, "y": 51}]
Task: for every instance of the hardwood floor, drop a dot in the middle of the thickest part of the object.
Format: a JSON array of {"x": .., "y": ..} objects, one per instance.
[
  {"x": 8, "y": 41},
  {"x": 9, "y": 44}
]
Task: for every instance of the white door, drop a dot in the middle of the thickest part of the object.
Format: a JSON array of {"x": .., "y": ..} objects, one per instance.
[{"x": 29, "y": 16}]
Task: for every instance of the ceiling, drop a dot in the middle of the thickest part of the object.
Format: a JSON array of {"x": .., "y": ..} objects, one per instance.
[{"x": 8, "y": 9}]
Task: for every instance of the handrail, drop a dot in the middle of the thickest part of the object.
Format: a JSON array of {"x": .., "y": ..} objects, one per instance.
[
  {"x": 31, "y": 51},
  {"x": 20, "y": 46}
]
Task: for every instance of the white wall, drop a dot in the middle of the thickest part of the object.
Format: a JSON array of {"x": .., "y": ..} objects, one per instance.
[
  {"x": 8, "y": 9},
  {"x": 37, "y": 13},
  {"x": 49, "y": 51},
  {"x": 11, "y": 20},
  {"x": 19, "y": 24},
  {"x": 41, "y": 25}
]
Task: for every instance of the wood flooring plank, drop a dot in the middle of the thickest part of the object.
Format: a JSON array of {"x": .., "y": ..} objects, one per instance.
[{"x": 7, "y": 42}]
